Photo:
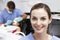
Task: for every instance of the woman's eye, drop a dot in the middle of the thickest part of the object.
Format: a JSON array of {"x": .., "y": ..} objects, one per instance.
[
  {"x": 34, "y": 18},
  {"x": 43, "y": 18}
]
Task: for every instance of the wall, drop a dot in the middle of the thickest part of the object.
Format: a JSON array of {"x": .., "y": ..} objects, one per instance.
[{"x": 25, "y": 5}]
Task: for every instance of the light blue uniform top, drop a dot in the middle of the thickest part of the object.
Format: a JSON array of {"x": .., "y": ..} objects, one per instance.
[
  {"x": 30, "y": 37},
  {"x": 4, "y": 15}
]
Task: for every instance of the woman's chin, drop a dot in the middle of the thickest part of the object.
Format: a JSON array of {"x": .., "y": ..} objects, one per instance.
[{"x": 39, "y": 31}]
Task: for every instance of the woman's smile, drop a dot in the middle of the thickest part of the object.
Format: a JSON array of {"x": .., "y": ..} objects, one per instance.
[{"x": 39, "y": 27}]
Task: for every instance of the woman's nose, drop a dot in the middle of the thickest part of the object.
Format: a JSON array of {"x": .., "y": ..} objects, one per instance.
[{"x": 38, "y": 22}]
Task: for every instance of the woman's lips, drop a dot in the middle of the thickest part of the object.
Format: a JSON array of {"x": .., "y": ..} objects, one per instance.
[{"x": 38, "y": 27}]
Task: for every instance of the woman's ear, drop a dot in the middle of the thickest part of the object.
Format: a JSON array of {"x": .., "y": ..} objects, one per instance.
[{"x": 50, "y": 20}]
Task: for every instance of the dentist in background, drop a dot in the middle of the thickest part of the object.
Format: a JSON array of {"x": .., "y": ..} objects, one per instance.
[{"x": 10, "y": 13}]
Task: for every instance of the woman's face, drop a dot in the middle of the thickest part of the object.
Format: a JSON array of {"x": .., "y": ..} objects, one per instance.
[{"x": 40, "y": 20}]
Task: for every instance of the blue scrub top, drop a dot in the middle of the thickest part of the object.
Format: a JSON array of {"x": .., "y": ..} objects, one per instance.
[
  {"x": 4, "y": 15},
  {"x": 30, "y": 37}
]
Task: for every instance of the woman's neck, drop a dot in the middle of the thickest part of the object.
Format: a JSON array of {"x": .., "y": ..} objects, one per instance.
[{"x": 41, "y": 36}]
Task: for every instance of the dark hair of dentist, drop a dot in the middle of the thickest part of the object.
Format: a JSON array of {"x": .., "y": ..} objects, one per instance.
[{"x": 40, "y": 18}]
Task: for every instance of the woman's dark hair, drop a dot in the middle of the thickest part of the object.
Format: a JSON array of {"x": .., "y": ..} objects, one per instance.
[
  {"x": 11, "y": 5},
  {"x": 41, "y": 5}
]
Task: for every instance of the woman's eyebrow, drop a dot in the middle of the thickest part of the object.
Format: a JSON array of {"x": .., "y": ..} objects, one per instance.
[{"x": 34, "y": 16}]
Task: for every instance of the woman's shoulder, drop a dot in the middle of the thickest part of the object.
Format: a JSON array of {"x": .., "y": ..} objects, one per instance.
[
  {"x": 55, "y": 38},
  {"x": 28, "y": 37}
]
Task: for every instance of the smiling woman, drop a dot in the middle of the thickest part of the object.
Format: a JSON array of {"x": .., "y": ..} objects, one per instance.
[{"x": 40, "y": 18}]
